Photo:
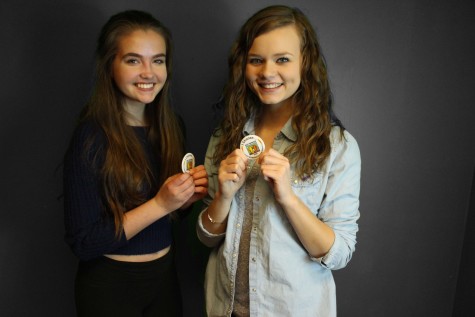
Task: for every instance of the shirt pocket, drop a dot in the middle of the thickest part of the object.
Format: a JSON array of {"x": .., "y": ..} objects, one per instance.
[{"x": 309, "y": 190}]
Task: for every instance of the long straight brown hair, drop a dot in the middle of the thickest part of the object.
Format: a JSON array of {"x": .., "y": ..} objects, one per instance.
[
  {"x": 313, "y": 117},
  {"x": 126, "y": 171}
]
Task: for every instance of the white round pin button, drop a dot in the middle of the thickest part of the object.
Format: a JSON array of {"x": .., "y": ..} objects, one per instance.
[
  {"x": 188, "y": 162},
  {"x": 252, "y": 146}
]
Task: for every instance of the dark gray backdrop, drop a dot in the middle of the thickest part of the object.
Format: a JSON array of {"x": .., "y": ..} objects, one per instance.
[{"x": 403, "y": 77}]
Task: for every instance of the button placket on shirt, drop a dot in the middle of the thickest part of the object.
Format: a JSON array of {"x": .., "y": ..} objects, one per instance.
[
  {"x": 255, "y": 170},
  {"x": 234, "y": 254}
]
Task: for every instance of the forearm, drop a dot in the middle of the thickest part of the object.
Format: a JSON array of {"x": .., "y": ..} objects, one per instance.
[
  {"x": 215, "y": 218},
  {"x": 142, "y": 216},
  {"x": 316, "y": 237}
]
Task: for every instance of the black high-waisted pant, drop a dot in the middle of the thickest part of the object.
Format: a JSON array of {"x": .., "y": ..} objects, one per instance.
[{"x": 105, "y": 287}]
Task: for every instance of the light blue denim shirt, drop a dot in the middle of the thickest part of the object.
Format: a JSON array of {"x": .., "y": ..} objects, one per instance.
[{"x": 284, "y": 280}]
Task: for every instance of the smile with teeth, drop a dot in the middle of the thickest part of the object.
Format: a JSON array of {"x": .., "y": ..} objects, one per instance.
[
  {"x": 270, "y": 85},
  {"x": 145, "y": 85}
]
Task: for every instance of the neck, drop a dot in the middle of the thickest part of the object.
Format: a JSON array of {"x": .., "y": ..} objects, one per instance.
[
  {"x": 274, "y": 117},
  {"x": 135, "y": 114}
]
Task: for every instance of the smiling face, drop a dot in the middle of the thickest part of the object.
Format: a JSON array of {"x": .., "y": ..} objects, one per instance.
[
  {"x": 273, "y": 66},
  {"x": 139, "y": 69}
]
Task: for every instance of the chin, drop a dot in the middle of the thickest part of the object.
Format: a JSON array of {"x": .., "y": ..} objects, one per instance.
[
  {"x": 270, "y": 102},
  {"x": 148, "y": 100}
]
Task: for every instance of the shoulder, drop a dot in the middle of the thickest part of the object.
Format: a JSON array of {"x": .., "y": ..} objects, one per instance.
[
  {"x": 87, "y": 140},
  {"x": 344, "y": 144},
  {"x": 88, "y": 131},
  {"x": 181, "y": 123},
  {"x": 86, "y": 128},
  {"x": 216, "y": 136},
  {"x": 338, "y": 136},
  {"x": 210, "y": 151}
]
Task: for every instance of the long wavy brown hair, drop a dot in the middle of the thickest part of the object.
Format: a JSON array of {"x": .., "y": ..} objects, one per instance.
[
  {"x": 313, "y": 117},
  {"x": 126, "y": 171}
]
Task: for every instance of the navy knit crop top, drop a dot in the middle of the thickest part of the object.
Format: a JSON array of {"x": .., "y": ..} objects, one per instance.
[{"x": 90, "y": 231}]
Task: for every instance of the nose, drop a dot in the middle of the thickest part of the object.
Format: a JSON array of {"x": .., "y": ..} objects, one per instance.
[
  {"x": 267, "y": 69},
  {"x": 146, "y": 71}
]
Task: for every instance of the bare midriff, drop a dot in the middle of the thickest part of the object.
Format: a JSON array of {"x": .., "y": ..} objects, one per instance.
[{"x": 140, "y": 257}]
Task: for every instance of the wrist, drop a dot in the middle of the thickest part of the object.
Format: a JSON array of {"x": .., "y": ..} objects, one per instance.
[
  {"x": 222, "y": 199},
  {"x": 159, "y": 206},
  {"x": 217, "y": 212},
  {"x": 214, "y": 220},
  {"x": 289, "y": 201}
]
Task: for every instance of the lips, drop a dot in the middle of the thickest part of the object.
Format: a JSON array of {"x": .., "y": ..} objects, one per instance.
[
  {"x": 145, "y": 85},
  {"x": 270, "y": 85}
]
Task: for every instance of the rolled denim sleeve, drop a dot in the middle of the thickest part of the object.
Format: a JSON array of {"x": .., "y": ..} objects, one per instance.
[
  {"x": 207, "y": 238},
  {"x": 340, "y": 206}
]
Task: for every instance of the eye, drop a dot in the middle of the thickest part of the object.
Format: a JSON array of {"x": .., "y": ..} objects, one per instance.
[
  {"x": 255, "y": 61},
  {"x": 159, "y": 61},
  {"x": 131, "y": 61},
  {"x": 282, "y": 60}
]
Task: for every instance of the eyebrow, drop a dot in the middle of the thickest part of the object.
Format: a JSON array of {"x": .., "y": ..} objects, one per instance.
[
  {"x": 138, "y": 55},
  {"x": 250, "y": 54}
]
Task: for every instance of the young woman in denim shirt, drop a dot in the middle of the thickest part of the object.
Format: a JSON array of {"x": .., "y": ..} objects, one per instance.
[{"x": 279, "y": 223}]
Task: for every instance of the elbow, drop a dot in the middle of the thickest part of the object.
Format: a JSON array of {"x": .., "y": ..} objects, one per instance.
[
  {"x": 81, "y": 250},
  {"x": 340, "y": 254},
  {"x": 82, "y": 254},
  {"x": 206, "y": 238}
]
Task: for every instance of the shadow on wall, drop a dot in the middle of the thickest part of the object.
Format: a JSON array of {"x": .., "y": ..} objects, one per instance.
[
  {"x": 47, "y": 54},
  {"x": 47, "y": 66},
  {"x": 464, "y": 304},
  {"x": 202, "y": 38}
]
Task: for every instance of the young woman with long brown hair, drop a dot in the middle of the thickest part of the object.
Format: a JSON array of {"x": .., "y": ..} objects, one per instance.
[
  {"x": 279, "y": 223},
  {"x": 122, "y": 177}
]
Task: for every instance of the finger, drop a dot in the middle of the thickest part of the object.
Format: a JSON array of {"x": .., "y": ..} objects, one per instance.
[
  {"x": 274, "y": 153},
  {"x": 225, "y": 177},
  {"x": 269, "y": 174},
  {"x": 272, "y": 159},
  {"x": 234, "y": 161},
  {"x": 181, "y": 183},
  {"x": 197, "y": 169},
  {"x": 201, "y": 190},
  {"x": 276, "y": 175},
  {"x": 201, "y": 182},
  {"x": 237, "y": 156},
  {"x": 234, "y": 169},
  {"x": 199, "y": 174},
  {"x": 186, "y": 189},
  {"x": 241, "y": 154},
  {"x": 180, "y": 177}
]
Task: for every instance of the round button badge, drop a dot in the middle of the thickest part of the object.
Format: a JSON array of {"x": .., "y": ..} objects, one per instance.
[
  {"x": 252, "y": 146},
  {"x": 188, "y": 162}
]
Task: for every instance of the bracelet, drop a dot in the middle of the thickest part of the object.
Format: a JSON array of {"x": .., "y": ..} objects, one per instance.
[{"x": 212, "y": 220}]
